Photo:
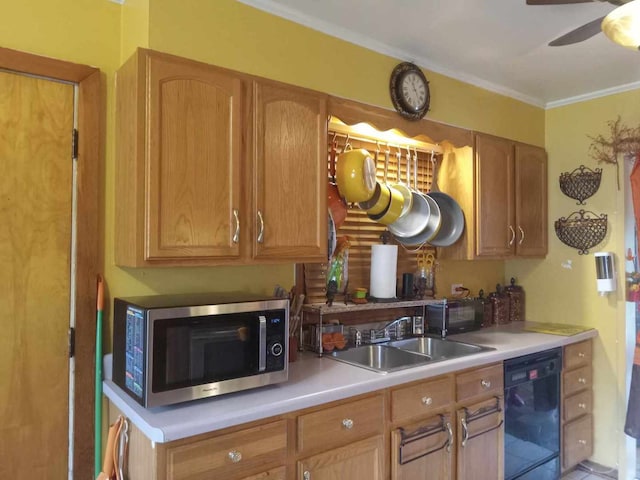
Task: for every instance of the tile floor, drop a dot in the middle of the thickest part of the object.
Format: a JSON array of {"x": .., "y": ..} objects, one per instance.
[{"x": 582, "y": 475}]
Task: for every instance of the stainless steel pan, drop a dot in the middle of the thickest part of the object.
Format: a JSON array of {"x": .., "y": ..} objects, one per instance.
[
  {"x": 422, "y": 222},
  {"x": 452, "y": 217}
]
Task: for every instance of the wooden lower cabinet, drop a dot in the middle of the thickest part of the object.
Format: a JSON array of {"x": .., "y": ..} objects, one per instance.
[
  {"x": 275, "y": 474},
  {"x": 480, "y": 442},
  {"x": 423, "y": 451},
  {"x": 360, "y": 460},
  {"x": 577, "y": 404}
]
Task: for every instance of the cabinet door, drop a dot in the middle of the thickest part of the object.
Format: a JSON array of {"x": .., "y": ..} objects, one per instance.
[
  {"x": 531, "y": 201},
  {"x": 360, "y": 460},
  {"x": 495, "y": 229},
  {"x": 480, "y": 444},
  {"x": 423, "y": 451},
  {"x": 193, "y": 159},
  {"x": 289, "y": 173}
]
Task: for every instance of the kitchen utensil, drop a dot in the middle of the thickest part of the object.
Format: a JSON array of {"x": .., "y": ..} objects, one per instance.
[
  {"x": 367, "y": 205},
  {"x": 336, "y": 204},
  {"x": 98, "y": 379},
  {"x": 356, "y": 175},
  {"x": 401, "y": 187},
  {"x": 428, "y": 217},
  {"x": 394, "y": 203},
  {"x": 451, "y": 215},
  {"x": 331, "y": 236}
]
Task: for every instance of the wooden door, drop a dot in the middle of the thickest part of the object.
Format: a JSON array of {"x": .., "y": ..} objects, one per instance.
[
  {"x": 531, "y": 201},
  {"x": 289, "y": 173},
  {"x": 194, "y": 154},
  {"x": 480, "y": 441},
  {"x": 423, "y": 451},
  {"x": 360, "y": 460},
  {"x": 36, "y": 122},
  {"x": 495, "y": 229}
]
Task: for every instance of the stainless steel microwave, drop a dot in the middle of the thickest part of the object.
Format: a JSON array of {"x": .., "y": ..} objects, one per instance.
[
  {"x": 455, "y": 316},
  {"x": 175, "y": 348}
]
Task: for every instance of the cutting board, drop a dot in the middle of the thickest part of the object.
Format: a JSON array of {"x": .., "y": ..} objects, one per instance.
[{"x": 555, "y": 328}]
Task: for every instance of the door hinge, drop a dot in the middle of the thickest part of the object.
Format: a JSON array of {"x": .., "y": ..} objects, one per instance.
[
  {"x": 72, "y": 342},
  {"x": 74, "y": 144}
]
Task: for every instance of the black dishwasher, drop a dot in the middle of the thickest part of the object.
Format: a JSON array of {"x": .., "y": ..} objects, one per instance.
[{"x": 532, "y": 416}]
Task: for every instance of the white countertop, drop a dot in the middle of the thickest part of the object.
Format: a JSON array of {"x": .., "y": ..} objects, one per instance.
[{"x": 313, "y": 381}]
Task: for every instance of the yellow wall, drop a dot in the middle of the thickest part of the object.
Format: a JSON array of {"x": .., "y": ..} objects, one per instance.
[{"x": 559, "y": 294}]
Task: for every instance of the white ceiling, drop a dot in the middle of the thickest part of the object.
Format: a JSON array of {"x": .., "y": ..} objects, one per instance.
[{"x": 500, "y": 45}]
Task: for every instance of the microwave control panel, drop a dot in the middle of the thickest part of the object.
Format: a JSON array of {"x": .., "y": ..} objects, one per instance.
[
  {"x": 276, "y": 328},
  {"x": 134, "y": 351}
]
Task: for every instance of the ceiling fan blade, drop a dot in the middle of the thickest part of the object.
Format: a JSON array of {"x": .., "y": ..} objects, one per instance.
[
  {"x": 556, "y": 2},
  {"x": 580, "y": 34}
]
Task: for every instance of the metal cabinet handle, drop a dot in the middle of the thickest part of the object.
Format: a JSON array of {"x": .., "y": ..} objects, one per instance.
[
  {"x": 513, "y": 235},
  {"x": 521, "y": 235},
  {"x": 581, "y": 355},
  {"x": 347, "y": 423},
  {"x": 485, "y": 383},
  {"x": 582, "y": 380},
  {"x": 582, "y": 442},
  {"x": 449, "y": 435},
  {"x": 427, "y": 401},
  {"x": 306, "y": 475},
  {"x": 235, "y": 456},
  {"x": 582, "y": 405},
  {"x": 465, "y": 432},
  {"x": 261, "y": 230},
  {"x": 236, "y": 233}
]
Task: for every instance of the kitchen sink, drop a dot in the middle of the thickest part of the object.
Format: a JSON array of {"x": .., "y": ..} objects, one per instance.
[
  {"x": 380, "y": 358},
  {"x": 437, "y": 348},
  {"x": 400, "y": 354}
]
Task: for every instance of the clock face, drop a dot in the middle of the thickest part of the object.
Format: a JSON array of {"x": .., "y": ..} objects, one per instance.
[
  {"x": 409, "y": 90},
  {"x": 414, "y": 91}
]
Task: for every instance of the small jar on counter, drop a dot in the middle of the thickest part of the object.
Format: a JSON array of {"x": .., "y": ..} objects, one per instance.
[
  {"x": 516, "y": 301},
  {"x": 487, "y": 309},
  {"x": 500, "y": 303}
]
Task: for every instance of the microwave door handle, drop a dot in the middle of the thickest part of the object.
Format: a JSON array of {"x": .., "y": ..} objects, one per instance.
[{"x": 262, "y": 360}]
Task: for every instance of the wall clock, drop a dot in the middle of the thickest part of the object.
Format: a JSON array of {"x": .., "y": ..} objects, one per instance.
[{"x": 409, "y": 90}]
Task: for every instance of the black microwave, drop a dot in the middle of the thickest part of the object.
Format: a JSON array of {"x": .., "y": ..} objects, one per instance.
[
  {"x": 455, "y": 316},
  {"x": 174, "y": 348}
]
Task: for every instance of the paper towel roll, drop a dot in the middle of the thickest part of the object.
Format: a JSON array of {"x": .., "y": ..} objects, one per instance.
[{"x": 384, "y": 260}]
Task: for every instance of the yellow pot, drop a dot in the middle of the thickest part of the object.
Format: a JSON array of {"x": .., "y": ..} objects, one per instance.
[
  {"x": 393, "y": 210},
  {"x": 356, "y": 175}
]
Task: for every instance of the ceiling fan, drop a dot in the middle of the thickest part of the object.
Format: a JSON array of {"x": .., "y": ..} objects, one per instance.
[{"x": 582, "y": 33}]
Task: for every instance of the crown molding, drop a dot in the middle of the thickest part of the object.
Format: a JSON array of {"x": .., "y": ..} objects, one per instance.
[{"x": 592, "y": 95}]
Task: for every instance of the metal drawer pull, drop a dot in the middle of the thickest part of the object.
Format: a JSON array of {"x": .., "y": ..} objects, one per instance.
[
  {"x": 235, "y": 456},
  {"x": 427, "y": 401},
  {"x": 420, "y": 434},
  {"x": 582, "y": 380},
  {"x": 513, "y": 235},
  {"x": 521, "y": 235},
  {"x": 582, "y": 442},
  {"x": 347, "y": 423},
  {"x": 485, "y": 383},
  {"x": 261, "y": 231},
  {"x": 465, "y": 431},
  {"x": 306, "y": 475},
  {"x": 236, "y": 233},
  {"x": 582, "y": 405},
  {"x": 581, "y": 355}
]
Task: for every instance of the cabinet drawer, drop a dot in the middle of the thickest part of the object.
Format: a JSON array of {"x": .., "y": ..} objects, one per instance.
[
  {"x": 420, "y": 399},
  {"x": 577, "y": 355},
  {"x": 275, "y": 474},
  {"x": 482, "y": 381},
  {"x": 235, "y": 455},
  {"x": 577, "y": 405},
  {"x": 577, "y": 441},
  {"x": 341, "y": 424},
  {"x": 576, "y": 380}
]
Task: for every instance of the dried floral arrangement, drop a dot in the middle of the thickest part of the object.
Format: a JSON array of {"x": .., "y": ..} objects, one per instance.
[{"x": 623, "y": 141}]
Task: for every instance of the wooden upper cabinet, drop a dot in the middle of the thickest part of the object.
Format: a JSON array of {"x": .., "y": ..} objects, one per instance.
[
  {"x": 531, "y": 201},
  {"x": 495, "y": 231},
  {"x": 502, "y": 189},
  {"x": 178, "y": 156},
  {"x": 216, "y": 167},
  {"x": 194, "y": 115},
  {"x": 290, "y": 171}
]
